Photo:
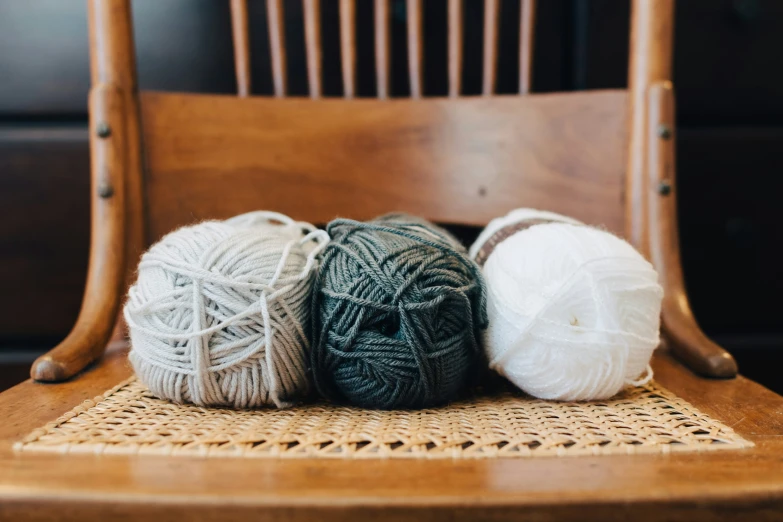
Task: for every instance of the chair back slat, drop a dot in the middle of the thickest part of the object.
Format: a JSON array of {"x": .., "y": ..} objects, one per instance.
[
  {"x": 455, "y": 48},
  {"x": 415, "y": 48},
  {"x": 527, "y": 19},
  {"x": 461, "y": 161},
  {"x": 491, "y": 12},
  {"x": 348, "y": 46},
  {"x": 241, "y": 36},
  {"x": 312, "y": 30},
  {"x": 276, "y": 29}
]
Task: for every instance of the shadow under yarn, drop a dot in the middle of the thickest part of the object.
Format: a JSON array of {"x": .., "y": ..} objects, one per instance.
[{"x": 398, "y": 306}]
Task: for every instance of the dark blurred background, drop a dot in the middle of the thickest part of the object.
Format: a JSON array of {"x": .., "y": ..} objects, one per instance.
[{"x": 728, "y": 76}]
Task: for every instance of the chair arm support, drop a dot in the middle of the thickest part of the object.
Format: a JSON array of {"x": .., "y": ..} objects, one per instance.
[
  {"x": 689, "y": 343},
  {"x": 106, "y": 275}
]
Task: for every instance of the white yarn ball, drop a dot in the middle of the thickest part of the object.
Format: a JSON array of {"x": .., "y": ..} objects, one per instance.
[
  {"x": 220, "y": 313},
  {"x": 574, "y": 311}
]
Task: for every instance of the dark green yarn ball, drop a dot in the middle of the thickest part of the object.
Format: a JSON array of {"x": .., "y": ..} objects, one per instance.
[{"x": 398, "y": 306}]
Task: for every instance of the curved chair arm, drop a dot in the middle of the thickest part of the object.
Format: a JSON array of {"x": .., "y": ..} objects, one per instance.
[
  {"x": 688, "y": 341},
  {"x": 105, "y": 278}
]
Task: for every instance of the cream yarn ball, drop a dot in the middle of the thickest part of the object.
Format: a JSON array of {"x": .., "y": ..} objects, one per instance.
[
  {"x": 574, "y": 311},
  {"x": 220, "y": 312}
]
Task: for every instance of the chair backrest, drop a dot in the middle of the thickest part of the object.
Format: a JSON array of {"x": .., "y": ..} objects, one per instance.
[
  {"x": 453, "y": 160},
  {"x": 161, "y": 160}
]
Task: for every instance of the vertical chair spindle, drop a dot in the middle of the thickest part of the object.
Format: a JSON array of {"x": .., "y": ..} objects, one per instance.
[
  {"x": 241, "y": 36},
  {"x": 490, "y": 46},
  {"x": 275, "y": 23},
  {"x": 527, "y": 20},
  {"x": 415, "y": 47},
  {"x": 312, "y": 26},
  {"x": 382, "y": 48},
  {"x": 348, "y": 46},
  {"x": 455, "y": 48}
]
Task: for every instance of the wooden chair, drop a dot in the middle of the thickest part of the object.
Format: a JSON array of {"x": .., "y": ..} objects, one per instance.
[{"x": 160, "y": 160}]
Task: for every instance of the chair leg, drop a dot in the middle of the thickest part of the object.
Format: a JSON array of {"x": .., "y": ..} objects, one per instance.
[
  {"x": 689, "y": 343},
  {"x": 105, "y": 278}
]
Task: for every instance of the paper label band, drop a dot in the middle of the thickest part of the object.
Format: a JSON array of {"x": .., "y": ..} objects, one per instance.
[{"x": 504, "y": 233}]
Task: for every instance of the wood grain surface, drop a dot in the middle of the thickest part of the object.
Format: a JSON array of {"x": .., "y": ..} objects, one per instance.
[
  {"x": 527, "y": 24},
  {"x": 240, "y": 32},
  {"x": 382, "y": 49},
  {"x": 276, "y": 29},
  {"x": 461, "y": 161},
  {"x": 724, "y": 485}
]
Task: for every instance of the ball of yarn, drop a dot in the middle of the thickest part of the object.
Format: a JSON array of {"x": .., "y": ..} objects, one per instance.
[
  {"x": 398, "y": 312},
  {"x": 574, "y": 311},
  {"x": 220, "y": 312}
]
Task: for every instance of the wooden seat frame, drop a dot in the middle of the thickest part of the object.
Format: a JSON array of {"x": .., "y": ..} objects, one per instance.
[{"x": 119, "y": 143}]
